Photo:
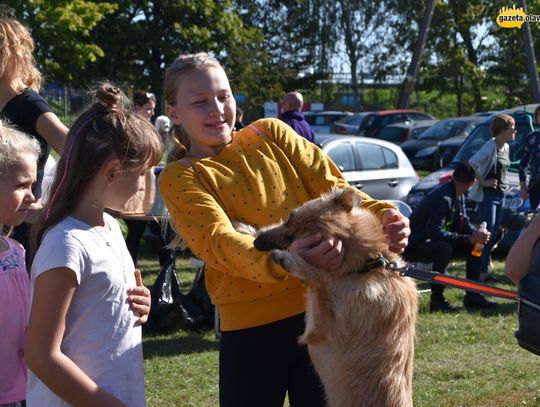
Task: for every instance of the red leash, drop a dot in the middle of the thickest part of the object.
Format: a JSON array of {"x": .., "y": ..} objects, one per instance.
[{"x": 457, "y": 282}]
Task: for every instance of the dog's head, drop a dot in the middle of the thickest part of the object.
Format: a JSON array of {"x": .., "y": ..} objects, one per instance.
[
  {"x": 336, "y": 214},
  {"x": 318, "y": 215}
]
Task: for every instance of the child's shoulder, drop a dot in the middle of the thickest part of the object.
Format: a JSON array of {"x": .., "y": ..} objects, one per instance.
[
  {"x": 13, "y": 244},
  {"x": 267, "y": 125},
  {"x": 271, "y": 128}
]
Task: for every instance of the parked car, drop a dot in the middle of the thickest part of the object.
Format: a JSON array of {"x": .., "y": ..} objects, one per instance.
[
  {"x": 399, "y": 133},
  {"x": 322, "y": 121},
  {"x": 377, "y": 167},
  {"x": 375, "y": 121},
  {"x": 447, "y": 149},
  {"x": 423, "y": 150},
  {"x": 480, "y": 134},
  {"x": 349, "y": 124}
]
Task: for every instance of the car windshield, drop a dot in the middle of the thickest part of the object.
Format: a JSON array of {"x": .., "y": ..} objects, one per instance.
[
  {"x": 482, "y": 133},
  {"x": 353, "y": 120},
  {"x": 417, "y": 132},
  {"x": 367, "y": 122},
  {"x": 443, "y": 130}
]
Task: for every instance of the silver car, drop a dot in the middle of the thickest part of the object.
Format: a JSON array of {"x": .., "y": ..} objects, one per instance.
[
  {"x": 322, "y": 121},
  {"x": 377, "y": 167}
]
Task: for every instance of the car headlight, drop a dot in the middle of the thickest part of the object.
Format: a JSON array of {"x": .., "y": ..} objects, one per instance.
[{"x": 426, "y": 152}]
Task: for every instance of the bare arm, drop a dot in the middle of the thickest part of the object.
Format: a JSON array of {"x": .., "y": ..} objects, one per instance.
[
  {"x": 519, "y": 257},
  {"x": 53, "y": 294},
  {"x": 49, "y": 126}
]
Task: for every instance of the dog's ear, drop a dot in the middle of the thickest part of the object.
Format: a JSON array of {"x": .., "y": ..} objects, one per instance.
[{"x": 347, "y": 199}]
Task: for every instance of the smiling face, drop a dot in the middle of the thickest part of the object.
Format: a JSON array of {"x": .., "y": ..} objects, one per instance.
[
  {"x": 206, "y": 109},
  {"x": 16, "y": 190}
]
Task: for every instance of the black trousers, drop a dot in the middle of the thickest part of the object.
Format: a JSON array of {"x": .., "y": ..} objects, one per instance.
[
  {"x": 258, "y": 366},
  {"x": 534, "y": 193},
  {"x": 440, "y": 253},
  {"x": 135, "y": 232}
]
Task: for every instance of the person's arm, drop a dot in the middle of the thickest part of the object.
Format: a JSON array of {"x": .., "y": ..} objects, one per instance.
[
  {"x": 523, "y": 166},
  {"x": 49, "y": 126},
  {"x": 481, "y": 159},
  {"x": 207, "y": 230},
  {"x": 440, "y": 212},
  {"x": 53, "y": 293},
  {"x": 320, "y": 174},
  {"x": 519, "y": 256}
]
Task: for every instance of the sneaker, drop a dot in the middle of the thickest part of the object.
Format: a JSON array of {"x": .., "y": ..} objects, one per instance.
[
  {"x": 441, "y": 305},
  {"x": 477, "y": 302}
]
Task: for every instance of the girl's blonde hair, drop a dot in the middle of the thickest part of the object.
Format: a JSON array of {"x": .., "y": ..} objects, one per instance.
[
  {"x": 13, "y": 144},
  {"x": 16, "y": 59},
  {"x": 109, "y": 129},
  {"x": 182, "y": 65}
]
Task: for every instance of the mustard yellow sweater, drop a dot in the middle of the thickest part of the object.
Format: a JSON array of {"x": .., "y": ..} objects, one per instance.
[{"x": 257, "y": 179}]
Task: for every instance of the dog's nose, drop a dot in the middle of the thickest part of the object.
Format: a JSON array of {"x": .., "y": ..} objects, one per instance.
[{"x": 262, "y": 244}]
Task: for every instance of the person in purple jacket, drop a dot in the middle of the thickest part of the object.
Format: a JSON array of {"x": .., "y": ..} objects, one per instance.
[{"x": 293, "y": 116}]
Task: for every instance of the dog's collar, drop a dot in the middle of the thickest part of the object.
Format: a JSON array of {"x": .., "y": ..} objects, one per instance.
[{"x": 377, "y": 263}]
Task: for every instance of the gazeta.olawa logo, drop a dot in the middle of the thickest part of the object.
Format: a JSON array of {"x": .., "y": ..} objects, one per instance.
[{"x": 514, "y": 17}]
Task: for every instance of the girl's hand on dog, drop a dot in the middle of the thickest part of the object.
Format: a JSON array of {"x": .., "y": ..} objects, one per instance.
[
  {"x": 396, "y": 228},
  {"x": 321, "y": 253}
]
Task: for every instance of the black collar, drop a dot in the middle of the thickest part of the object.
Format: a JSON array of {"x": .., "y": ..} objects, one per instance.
[{"x": 375, "y": 264}]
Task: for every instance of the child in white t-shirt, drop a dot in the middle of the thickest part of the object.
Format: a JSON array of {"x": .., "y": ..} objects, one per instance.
[
  {"x": 18, "y": 168},
  {"x": 84, "y": 336}
]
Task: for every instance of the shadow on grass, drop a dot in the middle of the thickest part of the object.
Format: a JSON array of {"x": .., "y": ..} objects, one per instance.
[
  {"x": 505, "y": 308},
  {"x": 193, "y": 342}
]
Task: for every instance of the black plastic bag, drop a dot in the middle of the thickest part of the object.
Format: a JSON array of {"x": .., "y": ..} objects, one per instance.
[
  {"x": 167, "y": 312},
  {"x": 198, "y": 305}
]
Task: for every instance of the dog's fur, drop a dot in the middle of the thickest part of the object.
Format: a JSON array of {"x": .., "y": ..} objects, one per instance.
[{"x": 359, "y": 326}]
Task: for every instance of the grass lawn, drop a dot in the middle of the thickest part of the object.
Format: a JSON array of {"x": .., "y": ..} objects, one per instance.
[{"x": 462, "y": 359}]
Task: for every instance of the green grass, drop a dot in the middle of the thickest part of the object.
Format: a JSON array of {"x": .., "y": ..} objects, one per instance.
[{"x": 462, "y": 359}]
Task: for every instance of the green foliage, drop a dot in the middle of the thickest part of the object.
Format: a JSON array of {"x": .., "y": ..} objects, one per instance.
[
  {"x": 272, "y": 46},
  {"x": 62, "y": 30}
]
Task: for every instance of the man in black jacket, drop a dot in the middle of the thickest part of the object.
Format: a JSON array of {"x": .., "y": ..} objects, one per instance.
[{"x": 441, "y": 230}]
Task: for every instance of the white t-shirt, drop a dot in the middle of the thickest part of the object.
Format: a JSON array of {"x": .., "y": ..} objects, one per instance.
[{"x": 101, "y": 334}]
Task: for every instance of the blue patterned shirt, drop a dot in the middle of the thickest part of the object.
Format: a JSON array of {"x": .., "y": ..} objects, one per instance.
[{"x": 530, "y": 159}]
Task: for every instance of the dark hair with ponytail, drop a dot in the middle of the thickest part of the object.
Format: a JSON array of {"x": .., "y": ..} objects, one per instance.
[{"x": 109, "y": 129}]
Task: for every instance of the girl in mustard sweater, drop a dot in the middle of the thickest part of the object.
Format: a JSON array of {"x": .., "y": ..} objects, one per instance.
[{"x": 257, "y": 176}]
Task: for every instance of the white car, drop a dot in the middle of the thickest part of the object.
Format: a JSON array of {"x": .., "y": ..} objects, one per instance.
[{"x": 377, "y": 167}]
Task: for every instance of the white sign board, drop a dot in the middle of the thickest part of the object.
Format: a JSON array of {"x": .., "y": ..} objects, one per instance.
[
  {"x": 316, "y": 107},
  {"x": 270, "y": 109}
]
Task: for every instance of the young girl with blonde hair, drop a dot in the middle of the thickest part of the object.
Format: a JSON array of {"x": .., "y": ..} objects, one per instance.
[
  {"x": 84, "y": 336},
  {"x": 18, "y": 157},
  {"x": 257, "y": 175}
]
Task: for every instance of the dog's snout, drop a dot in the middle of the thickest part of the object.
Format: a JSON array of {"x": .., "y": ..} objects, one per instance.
[{"x": 262, "y": 243}]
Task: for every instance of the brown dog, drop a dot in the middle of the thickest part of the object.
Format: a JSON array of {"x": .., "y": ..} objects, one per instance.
[{"x": 359, "y": 323}]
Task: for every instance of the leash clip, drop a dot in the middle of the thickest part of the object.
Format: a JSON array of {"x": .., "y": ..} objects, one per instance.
[{"x": 393, "y": 266}]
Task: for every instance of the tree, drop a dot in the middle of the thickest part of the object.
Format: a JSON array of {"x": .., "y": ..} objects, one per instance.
[
  {"x": 456, "y": 47},
  {"x": 361, "y": 26},
  {"x": 62, "y": 31}
]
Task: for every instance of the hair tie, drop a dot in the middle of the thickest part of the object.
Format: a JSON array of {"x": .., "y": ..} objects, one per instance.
[
  {"x": 183, "y": 57},
  {"x": 68, "y": 157}
]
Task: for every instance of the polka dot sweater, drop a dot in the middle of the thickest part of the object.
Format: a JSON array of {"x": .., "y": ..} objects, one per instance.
[{"x": 265, "y": 172}]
